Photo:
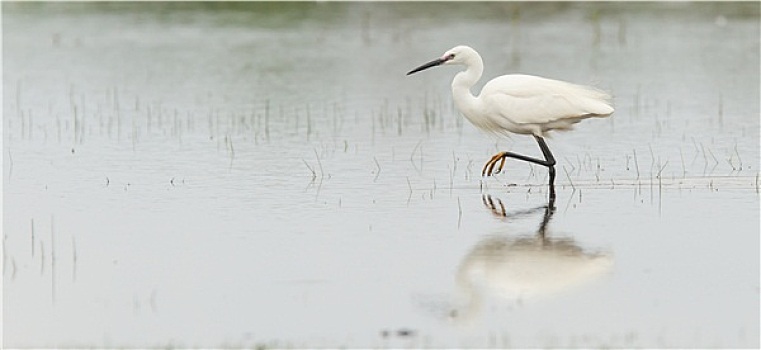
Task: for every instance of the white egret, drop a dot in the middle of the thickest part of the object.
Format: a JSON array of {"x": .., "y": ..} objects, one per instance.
[{"x": 521, "y": 104}]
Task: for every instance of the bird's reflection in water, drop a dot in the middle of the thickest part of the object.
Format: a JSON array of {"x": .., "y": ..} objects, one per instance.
[{"x": 516, "y": 268}]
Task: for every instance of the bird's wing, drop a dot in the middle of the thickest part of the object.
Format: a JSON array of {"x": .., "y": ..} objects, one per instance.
[{"x": 525, "y": 99}]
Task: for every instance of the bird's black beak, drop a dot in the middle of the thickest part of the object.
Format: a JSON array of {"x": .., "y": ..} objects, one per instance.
[{"x": 433, "y": 63}]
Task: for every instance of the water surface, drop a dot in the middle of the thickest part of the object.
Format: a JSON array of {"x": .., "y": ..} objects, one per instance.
[{"x": 264, "y": 174}]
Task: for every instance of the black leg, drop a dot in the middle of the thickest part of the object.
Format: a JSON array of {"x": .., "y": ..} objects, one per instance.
[
  {"x": 549, "y": 162},
  {"x": 549, "y": 210},
  {"x": 498, "y": 209}
]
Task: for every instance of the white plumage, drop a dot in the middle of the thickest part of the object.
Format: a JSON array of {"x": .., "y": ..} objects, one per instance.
[
  {"x": 518, "y": 103},
  {"x": 521, "y": 104},
  {"x": 529, "y": 102}
]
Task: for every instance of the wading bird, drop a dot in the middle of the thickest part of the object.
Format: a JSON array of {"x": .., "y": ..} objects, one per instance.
[{"x": 521, "y": 104}]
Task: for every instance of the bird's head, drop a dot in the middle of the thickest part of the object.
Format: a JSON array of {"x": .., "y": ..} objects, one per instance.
[{"x": 456, "y": 55}]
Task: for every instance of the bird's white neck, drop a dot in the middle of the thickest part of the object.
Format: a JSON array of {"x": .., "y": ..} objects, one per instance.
[{"x": 463, "y": 81}]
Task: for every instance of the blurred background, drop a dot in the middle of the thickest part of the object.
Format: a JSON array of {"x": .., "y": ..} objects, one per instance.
[{"x": 265, "y": 175}]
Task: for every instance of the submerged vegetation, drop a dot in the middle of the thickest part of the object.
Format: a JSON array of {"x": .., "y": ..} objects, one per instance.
[{"x": 232, "y": 167}]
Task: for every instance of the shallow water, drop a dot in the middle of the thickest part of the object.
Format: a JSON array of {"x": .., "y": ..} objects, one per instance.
[{"x": 263, "y": 174}]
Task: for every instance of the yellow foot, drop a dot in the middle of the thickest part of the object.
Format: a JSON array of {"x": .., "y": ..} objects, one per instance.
[{"x": 488, "y": 169}]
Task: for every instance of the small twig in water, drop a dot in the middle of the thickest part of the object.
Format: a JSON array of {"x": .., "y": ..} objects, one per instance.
[
  {"x": 716, "y": 161},
  {"x": 738, "y": 158},
  {"x": 322, "y": 173},
  {"x": 570, "y": 163},
  {"x": 379, "y": 169},
  {"x": 412, "y": 155},
  {"x": 636, "y": 163},
  {"x": 597, "y": 172},
  {"x": 454, "y": 160},
  {"x": 314, "y": 175},
  {"x": 569, "y": 178},
  {"x": 661, "y": 169}
]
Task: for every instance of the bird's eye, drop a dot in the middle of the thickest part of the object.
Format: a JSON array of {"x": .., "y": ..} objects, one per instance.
[{"x": 450, "y": 56}]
